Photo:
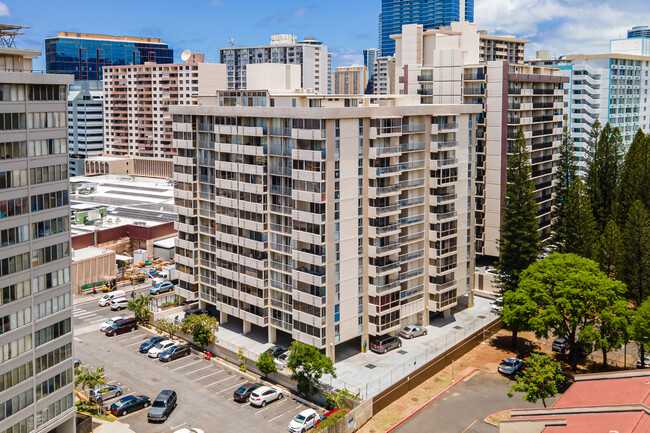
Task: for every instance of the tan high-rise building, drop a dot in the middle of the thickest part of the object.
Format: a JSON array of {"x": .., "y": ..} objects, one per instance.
[
  {"x": 350, "y": 80},
  {"x": 137, "y": 98},
  {"x": 325, "y": 218},
  {"x": 448, "y": 66},
  {"x": 36, "y": 358}
]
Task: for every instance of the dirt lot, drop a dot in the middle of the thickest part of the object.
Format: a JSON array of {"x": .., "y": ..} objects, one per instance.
[{"x": 486, "y": 357}]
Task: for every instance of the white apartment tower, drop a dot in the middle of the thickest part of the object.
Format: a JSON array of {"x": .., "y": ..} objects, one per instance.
[
  {"x": 449, "y": 66},
  {"x": 310, "y": 54},
  {"x": 137, "y": 123},
  {"x": 85, "y": 123},
  {"x": 36, "y": 361},
  {"x": 328, "y": 219}
]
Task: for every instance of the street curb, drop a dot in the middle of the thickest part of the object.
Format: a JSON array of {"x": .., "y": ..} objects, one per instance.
[
  {"x": 431, "y": 401},
  {"x": 495, "y": 413}
]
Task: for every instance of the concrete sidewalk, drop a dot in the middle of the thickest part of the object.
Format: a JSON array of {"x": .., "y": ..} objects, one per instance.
[{"x": 110, "y": 427}]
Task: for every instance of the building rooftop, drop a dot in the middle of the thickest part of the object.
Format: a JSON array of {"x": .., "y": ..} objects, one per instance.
[
  {"x": 165, "y": 243},
  {"x": 101, "y": 37},
  {"x": 88, "y": 253},
  {"x": 597, "y": 390}
]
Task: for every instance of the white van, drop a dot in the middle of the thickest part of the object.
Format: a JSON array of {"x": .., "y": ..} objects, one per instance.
[
  {"x": 119, "y": 304},
  {"x": 107, "y": 298}
]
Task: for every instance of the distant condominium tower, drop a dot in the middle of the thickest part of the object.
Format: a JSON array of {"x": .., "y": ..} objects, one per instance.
[
  {"x": 36, "y": 359},
  {"x": 85, "y": 123},
  {"x": 369, "y": 61},
  {"x": 639, "y": 32},
  {"x": 84, "y": 54},
  {"x": 350, "y": 80},
  {"x": 431, "y": 14},
  {"x": 309, "y": 53}
]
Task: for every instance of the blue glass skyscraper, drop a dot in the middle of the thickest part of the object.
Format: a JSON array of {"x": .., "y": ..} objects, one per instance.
[
  {"x": 432, "y": 14},
  {"x": 84, "y": 54}
]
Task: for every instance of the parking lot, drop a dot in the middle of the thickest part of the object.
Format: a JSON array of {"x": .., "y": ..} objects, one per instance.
[{"x": 204, "y": 387}]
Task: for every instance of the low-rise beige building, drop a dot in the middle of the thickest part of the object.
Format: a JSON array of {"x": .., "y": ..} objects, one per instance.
[{"x": 90, "y": 265}]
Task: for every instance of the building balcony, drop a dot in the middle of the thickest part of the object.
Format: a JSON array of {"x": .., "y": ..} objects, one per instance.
[
  {"x": 309, "y": 257},
  {"x": 304, "y": 276},
  {"x": 308, "y": 155},
  {"x": 188, "y": 295},
  {"x": 393, "y": 209},
  {"x": 386, "y": 230},
  {"x": 378, "y": 251},
  {"x": 308, "y": 217},
  {"x": 375, "y": 152},
  {"x": 383, "y": 191}
]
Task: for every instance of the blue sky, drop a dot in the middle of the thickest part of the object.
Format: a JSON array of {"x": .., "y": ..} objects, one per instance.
[{"x": 347, "y": 27}]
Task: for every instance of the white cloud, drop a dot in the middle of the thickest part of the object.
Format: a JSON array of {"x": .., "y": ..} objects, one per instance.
[
  {"x": 346, "y": 57},
  {"x": 562, "y": 26},
  {"x": 4, "y": 10}
]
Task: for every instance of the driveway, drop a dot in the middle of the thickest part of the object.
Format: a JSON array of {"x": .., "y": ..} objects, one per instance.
[{"x": 463, "y": 407}]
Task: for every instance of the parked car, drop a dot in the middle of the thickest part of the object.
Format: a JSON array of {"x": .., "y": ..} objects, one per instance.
[
  {"x": 384, "y": 344},
  {"x": 275, "y": 351},
  {"x": 122, "y": 326},
  {"x": 119, "y": 304},
  {"x": 151, "y": 342},
  {"x": 165, "y": 286},
  {"x": 101, "y": 393},
  {"x": 329, "y": 414},
  {"x": 497, "y": 305},
  {"x": 162, "y": 406},
  {"x": 190, "y": 430},
  {"x": 560, "y": 345},
  {"x": 129, "y": 404},
  {"x": 77, "y": 362},
  {"x": 644, "y": 364},
  {"x": 413, "y": 331},
  {"x": 265, "y": 394},
  {"x": 281, "y": 360},
  {"x": 107, "y": 324},
  {"x": 107, "y": 298},
  {"x": 511, "y": 366},
  {"x": 174, "y": 352},
  {"x": 160, "y": 347},
  {"x": 242, "y": 393},
  {"x": 303, "y": 421}
]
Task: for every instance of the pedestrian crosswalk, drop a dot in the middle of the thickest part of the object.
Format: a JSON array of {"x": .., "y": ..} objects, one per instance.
[{"x": 87, "y": 316}]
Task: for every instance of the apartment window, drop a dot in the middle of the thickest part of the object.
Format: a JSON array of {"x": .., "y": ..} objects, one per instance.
[
  {"x": 11, "y": 121},
  {"x": 24, "y": 426},
  {"x": 53, "y": 384},
  {"x": 50, "y": 253},
  {"x": 13, "y": 178},
  {"x": 15, "y": 292},
  {"x": 49, "y": 200},
  {"x": 14, "y": 235},
  {"x": 15, "y": 348},
  {"x": 54, "y": 410},
  {"x": 15, "y": 320},
  {"x": 51, "y": 332},
  {"x": 16, "y": 376},
  {"x": 14, "y": 264},
  {"x": 13, "y": 150},
  {"x": 46, "y": 92},
  {"x": 50, "y": 227},
  {"x": 50, "y": 280},
  {"x": 53, "y": 358},
  {"x": 12, "y": 92},
  {"x": 46, "y": 174},
  {"x": 55, "y": 119},
  {"x": 16, "y": 404},
  {"x": 52, "y": 306}
]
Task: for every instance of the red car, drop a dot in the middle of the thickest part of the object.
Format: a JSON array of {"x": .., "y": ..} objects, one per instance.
[{"x": 328, "y": 414}]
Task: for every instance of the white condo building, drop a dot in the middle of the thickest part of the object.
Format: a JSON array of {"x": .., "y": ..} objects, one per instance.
[
  {"x": 36, "y": 356},
  {"x": 325, "y": 218},
  {"x": 85, "y": 123}
]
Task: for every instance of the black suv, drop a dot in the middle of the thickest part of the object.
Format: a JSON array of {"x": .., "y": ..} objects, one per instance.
[
  {"x": 197, "y": 311},
  {"x": 275, "y": 351},
  {"x": 174, "y": 352},
  {"x": 384, "y": 344},
  {"x": 162, "y": 406}
]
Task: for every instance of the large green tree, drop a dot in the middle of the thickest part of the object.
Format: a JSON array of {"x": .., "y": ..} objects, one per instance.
[
  {"x": 202, "y": 327},
  {"x": 169, "y": 327},
  {"x": 516, "y": 313},
  {"x": 565, "y": 174},
  {"x": 611, "y": 328},
  {"x": 579, "y": 223},
  {"x": 308, "y": 365},
  {"x": 635, "y": 266},
  {"x": 569, "y": 293},
  {"x": 604, "y": 160},
  {"x": 539, "y": 379},
  {"x": 635, "y": 176},
  {"x": 609, "y": 250},
  {"x": 640, "y": 328},
  {"x": 519, "y": 245}
]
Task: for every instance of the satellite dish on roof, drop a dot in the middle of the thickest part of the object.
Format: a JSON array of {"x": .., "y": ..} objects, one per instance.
[{"x": 186, "y": 55}]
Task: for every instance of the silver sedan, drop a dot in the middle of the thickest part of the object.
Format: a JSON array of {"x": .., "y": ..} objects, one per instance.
[{"x": 412, "y": 331}]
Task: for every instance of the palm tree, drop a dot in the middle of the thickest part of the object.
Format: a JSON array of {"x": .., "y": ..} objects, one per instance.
[
  {"x": 140, "y": 307},
  {"x": 89, "y": 378}
]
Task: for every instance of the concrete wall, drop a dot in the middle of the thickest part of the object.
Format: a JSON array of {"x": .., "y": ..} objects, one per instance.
[
  {"x": 275, "y": 76},
  {"x": 353, "y": 420},
  {"x": 92, "y": 269}
]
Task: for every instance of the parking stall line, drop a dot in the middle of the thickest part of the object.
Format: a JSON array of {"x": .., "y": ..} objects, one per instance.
[
  {"x": 207, "y": 375},
  {"x": 134, "y": 344},
  {"x": 219, "y": 381},
  {"x": 268, "y": 406},
  {"x": 175, "y": 427},
  {"x": 187, "y": 365},
  {"x": 129, "y": 339},
  {"x": 283, "y": 414},
  {"x": 231, "y": 387},
  {"x": 199, "y": 369}
]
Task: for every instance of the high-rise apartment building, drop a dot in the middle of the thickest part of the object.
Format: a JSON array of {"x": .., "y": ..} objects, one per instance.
[
  {"x": 325, "y": 218},
  {"x": 369, "y": 61},
  {"x": 85, "y": 123},
  {"x": 639, "y": 32},
  {"x": 431, "y": 14},
  {"x": 350, "y": 80},
  {"x": 446, "y": 66},
  {"x": 384, "y": 76},
  {"x": 309, "y": 53},
  {"x": 36, "y": 361},
  {"x": 507, "y": 48},
  {"x": 85, "y": 54},
  {"x": 137, "y": 98},
  {"x": 609, "y": 88}
]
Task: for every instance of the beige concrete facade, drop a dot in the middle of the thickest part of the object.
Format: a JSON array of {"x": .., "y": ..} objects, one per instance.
[
  {"x": 327, "y": 218},
  {"x": 137, "y": 98},
  {"x": 90, "y": 265},
  {"x": 273, "y": 76},
  {"x": 109, "y": 165},
  {"x": 350, "y": 80}
]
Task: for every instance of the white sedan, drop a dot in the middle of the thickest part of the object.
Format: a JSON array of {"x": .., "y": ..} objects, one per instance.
[
  {"x": 159, "y": 348},
  {"x": 303, "y": 421},
  {"x": 265, "y": 394},
  {"x": 109, "y": 323}
]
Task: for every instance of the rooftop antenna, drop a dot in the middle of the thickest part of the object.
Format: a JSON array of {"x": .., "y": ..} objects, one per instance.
[
  {"x": 8, "y": 35},
  {"x": 231, "y": 42}
]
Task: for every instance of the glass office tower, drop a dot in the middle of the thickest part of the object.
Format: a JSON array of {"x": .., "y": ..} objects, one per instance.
[
  {"x": 84, "y": 55},
  {"x": 432, "y": 14}
]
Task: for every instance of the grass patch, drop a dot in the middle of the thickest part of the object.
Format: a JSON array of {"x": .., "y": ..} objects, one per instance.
[
  {"x": 92, "y": 411},
  {"x": 495, "y": 419}
]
